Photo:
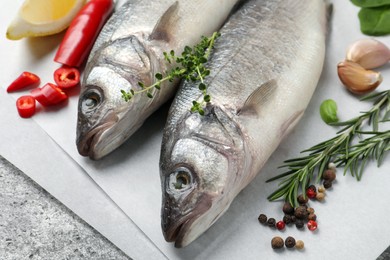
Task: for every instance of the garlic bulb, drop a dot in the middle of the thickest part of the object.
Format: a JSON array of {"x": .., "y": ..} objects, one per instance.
[
  {"x": 357, "y": 79},
  {"x": 369, "y": 53}
]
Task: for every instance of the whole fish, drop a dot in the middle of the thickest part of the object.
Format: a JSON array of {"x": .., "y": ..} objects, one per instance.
[
  {"x": 130, "y": 50},
  {"x": 264, "y": 70}
]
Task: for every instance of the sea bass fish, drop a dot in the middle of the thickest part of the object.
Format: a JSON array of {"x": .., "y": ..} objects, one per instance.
[
  {"x": 264, "y": 70},
  {"x": 130, "y": 50}
]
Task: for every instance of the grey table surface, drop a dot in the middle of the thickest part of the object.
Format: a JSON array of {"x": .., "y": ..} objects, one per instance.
[{"x": 34, "y": 225}]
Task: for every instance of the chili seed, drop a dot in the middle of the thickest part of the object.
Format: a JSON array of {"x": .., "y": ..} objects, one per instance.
[
  {"x": 289, "y": 242},
  {"x": 277, "y": 243},
  {"x": 262, "y": 218}
]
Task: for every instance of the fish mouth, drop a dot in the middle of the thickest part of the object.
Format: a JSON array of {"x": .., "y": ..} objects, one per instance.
[
  {"x": 178, "y": 232},
  {"x": 87, "y": 145}
]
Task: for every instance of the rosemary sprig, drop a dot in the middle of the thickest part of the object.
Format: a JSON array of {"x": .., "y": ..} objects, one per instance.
[
  {"x": 191, "y": 67},
  {"x": 301, "y": 171}
]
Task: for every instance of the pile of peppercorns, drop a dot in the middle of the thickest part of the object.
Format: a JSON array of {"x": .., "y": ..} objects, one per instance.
[{"x": 301, "y": 214}]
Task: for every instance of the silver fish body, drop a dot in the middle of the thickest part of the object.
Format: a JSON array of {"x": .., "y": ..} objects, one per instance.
[
  {"x": 264, "y": 70},
  {"x": 130, "y": 50}
]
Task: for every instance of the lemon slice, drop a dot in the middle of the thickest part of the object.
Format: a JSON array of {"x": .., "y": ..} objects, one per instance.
[{"x": 43, "y": 17}]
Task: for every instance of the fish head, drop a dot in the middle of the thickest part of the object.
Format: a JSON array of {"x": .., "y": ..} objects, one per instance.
[
  {"x": 198, "y": 167},
  {"x": 105, "y": 120}
]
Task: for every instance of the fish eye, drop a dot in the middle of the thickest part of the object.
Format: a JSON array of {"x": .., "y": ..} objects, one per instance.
[
  {"x": 180, "y": 180},
  {"x": 91, "y": 100}
]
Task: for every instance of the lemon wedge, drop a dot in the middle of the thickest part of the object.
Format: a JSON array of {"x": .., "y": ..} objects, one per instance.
[{"x": 43, "y": 17}]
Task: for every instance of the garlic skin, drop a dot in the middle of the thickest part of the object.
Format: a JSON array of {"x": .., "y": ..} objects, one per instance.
[
  {"x": 357, "y": 79},
  {"x": 369, "y": 53}
]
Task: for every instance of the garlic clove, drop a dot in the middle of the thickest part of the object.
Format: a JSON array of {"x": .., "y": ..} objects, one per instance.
[
  {"x": 357, "y": 79},
  {"x": 369, "y": 53}
]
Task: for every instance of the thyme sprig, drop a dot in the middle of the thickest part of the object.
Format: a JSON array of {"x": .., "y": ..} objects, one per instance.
[
  {"x": 190, "y": 67},
  {"x": 339, "y": 149}
]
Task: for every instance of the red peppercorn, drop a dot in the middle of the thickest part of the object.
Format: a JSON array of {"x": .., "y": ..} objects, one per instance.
[
  {"x": 312, "y": 225},
  {"x": 311, "y": 193},
  {"x": 280, "y": 225}
]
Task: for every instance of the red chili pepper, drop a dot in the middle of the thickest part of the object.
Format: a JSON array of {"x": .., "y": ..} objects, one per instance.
[
  {"x": 67, "y": 77},
  {"x": 82, "y": 32},
  {"x": 26, "y": 106},
  {"x": 49, "y": 95},
  {"x": 24, "y": 80}
]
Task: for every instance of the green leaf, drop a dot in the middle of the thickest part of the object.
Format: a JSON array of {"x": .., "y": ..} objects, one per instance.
[
  {"x": 375, "y": 21},
  {"x": 142, "y": 85},
  {"x": 202, "y": 86},
  {"x": 159, "y": 76},
  {"x": 370, "y": 3},
  {"x": 207, "y": 98},
  {"x": 328, "y": 111},
  {"x": 149, "y": 95}
]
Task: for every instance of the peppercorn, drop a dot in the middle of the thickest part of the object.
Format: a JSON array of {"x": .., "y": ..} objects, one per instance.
[
  {"x": 312, "y": 225},
  {"x": 321, "y": 189},
  {"x": 262, "y": 218},
  {"x": 287, "y": 219},
  {"x": 277, "y": 243},
  {"x": 329, "y": 175},
  {"x": 299, "y": 223},
  {"x": 320, "y": 196},
  {"x": 310, "y": 210},
  {"x": 293, "y": 219},
  {"x": 302, "y": 199},
  {"x": 311, "y": 193},
  {"x": 271, "y": 222},
  {"x": 312, "y": 216},
  {"x": 312, "y": 187},
  {"x": 327, "y": 184},
  {"x": 299, "y": 244},
  {"x": 289, "y": 242},
  {"x": 280, "y": 225},
  {"x": 301, "y": 212},
  {"x": 287, "y": 208}
]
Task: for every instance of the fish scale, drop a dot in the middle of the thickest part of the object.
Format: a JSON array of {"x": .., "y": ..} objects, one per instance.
[{"x": 264, "y": 69}]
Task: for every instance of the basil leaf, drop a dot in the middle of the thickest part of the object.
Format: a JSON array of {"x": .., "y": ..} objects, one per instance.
[
  {"x": 375, "y": 21},
  {"x": 370, "y": 3}
]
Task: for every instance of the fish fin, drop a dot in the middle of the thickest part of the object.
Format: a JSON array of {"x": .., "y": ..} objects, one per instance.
[
  {"x": 258, "y": 98},
  {"x": 166, "y": 24}
]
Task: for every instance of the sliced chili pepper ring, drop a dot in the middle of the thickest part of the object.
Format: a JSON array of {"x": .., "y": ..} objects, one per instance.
[
  {"x": 26, "y": 106},
  {"x": 25, "y": 79},
  {"x": 67, "y": 77},
  {"x": 49, "y": 95}
]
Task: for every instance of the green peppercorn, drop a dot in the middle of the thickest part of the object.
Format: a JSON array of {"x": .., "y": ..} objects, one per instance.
[
  {"x": 287, "y": 208},
  {"x": 277, "y": 243},
  {"x": 329, "y": 175},
  {"x": 289, "y": 242},
  {"x": 299, "y": 223},
  {"x": 271, "y": 222},
  {"x": 327, "y": 184},
  {"x": 262, "y": 218},
  {"x": 301, "y": 212},
  {"x": 302, "y": 199}
]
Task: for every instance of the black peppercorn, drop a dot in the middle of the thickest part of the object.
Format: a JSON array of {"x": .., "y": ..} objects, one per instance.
[
  {"x": 301, "y": 212},
  {"x": 277, "y": 243},
  {"x": 302, "y": 199},
  {"x": 271, "y": 222},
  {"x": 262, "y": 219},
  {"x": 287, "y": 208},
  {"x": 287, "y": 219},
  {"x": 299, "y": 223},
  {"x": 329, "y": 175},
  {"x": 293, "y": 219},
  {"x": 327, "y": 184},
  {"x": 289, "y": 242}
]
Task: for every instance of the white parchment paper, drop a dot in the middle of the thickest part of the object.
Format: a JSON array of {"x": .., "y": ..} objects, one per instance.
[{"x": 353, "y": 221}]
